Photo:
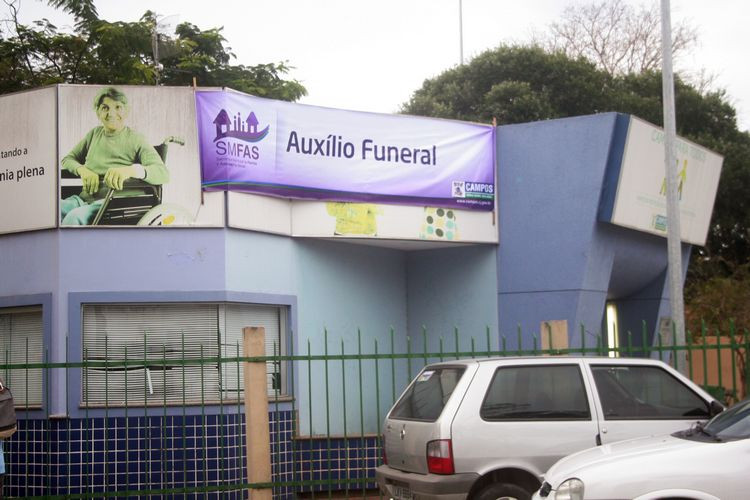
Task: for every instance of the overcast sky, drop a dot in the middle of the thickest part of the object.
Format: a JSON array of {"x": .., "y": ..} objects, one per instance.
[{"x": 371, "y": 55}]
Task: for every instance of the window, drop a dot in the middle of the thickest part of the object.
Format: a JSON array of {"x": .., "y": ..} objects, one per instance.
[
  {"x": 554, "y": 392},
  {"x": 427, "y": 396},
  {"x": 21, "y": 341},
  {"x": 171, "y": 346},
  {"x": 236, "y": 317},
  {"x": 645, "y": 392}
]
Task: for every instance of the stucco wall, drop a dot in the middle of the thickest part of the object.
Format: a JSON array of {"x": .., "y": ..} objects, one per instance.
[
  {"x": 556, "y": 259},
  {"x": 345, "y": 289},
  {"x": 453, "y": 288}
]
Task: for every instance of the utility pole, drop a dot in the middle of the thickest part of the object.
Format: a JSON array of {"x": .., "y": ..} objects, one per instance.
[
  {"x": 162, "y": 26},
  {"x": 461, "y": 30},
  {"x": 674, "y": 243},
  {"x": 155, "y": 50}
]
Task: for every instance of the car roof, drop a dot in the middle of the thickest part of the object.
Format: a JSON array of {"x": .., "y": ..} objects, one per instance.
[{"x": 502, "y": 360}]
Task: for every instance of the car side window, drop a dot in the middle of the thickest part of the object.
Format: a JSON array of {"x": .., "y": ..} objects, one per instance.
[
  {"x": 538, "y": 392},
  {"x": 645, "y": 392}
]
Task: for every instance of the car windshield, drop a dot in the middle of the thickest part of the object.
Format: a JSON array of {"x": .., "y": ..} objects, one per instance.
[{"x": 733, "y": 423}]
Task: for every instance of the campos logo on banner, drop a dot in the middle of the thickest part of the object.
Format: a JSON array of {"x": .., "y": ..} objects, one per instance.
[{"x": 295, "y": 151}]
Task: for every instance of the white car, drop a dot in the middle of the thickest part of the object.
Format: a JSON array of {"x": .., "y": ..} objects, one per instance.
[{"x": 705, "y": 462}]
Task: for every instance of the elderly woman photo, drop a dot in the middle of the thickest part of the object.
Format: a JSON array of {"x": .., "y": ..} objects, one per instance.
[{"x": 108, "y": 155}]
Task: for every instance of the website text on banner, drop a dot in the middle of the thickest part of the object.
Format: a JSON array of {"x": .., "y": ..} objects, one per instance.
[{"x": 297, "y": 151}]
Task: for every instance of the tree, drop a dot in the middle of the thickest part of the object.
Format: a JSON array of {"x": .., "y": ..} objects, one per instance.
[
  {"x": 104, "y": 52},
  {"x": 719, "y": 304},
  {"x": 514, "y": 84},
  {"x": 720, "y": 301},
  {"x": 619, "y": 38},
  {"x": 517, "y": 84}
]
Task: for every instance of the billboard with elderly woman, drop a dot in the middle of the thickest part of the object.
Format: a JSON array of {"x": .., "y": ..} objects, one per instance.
[{"x": 129, "y": 157}]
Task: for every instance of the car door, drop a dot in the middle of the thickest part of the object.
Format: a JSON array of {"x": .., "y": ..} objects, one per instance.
[
  {"x": 643, "y": 399},
  {"x": 526, "y": 414}
]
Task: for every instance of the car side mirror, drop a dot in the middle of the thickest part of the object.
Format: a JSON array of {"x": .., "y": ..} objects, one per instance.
[{"x": 715, "y": 408}]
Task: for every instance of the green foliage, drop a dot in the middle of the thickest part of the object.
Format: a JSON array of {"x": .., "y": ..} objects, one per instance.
[
  {"x": 512, "y": 101},
  {"x": 516, "y": 84},
  {"x": 102, "y": 52},
  {"x": 720, "y": 303},
  {"x": 513, "y": 84},
  {"x": 84, "y": 11}
]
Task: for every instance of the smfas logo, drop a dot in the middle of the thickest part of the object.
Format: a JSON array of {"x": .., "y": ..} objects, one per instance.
[{"x": 245, "y": 130}]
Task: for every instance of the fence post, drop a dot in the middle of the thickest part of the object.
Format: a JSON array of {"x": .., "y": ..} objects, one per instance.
[
  {"x": 554, "y": 336},
  {"x": 257, "y": 438}
]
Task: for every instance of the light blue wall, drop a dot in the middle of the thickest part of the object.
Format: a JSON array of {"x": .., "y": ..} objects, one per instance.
[
  {"x": 28, "y": 263},
  {"x": 335, "y": 286},
  {"x": 137, "y": 259},
  {"x": 261, "y": 263},
  {"x": 137, "y": 264},
  {"x": 345, "y": 288},
  {"x": 133, "y": 264},
  {"x": 29, "y": 268},
  {"x": 453, "y": 288}
]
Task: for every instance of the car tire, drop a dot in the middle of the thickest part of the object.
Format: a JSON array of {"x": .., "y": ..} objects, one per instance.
[{"x": 503, "y": 491}]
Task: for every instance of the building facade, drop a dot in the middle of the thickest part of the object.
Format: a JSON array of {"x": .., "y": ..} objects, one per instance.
[{"x": 124, "y": 315}]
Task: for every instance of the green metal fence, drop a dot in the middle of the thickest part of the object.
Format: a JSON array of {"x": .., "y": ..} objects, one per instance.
[{"x": 155, "y": 434}]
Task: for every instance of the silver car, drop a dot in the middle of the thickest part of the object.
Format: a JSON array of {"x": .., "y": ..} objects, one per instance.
[{"x": 490, "y": 428}]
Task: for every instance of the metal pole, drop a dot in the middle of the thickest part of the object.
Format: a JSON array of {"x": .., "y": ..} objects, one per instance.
[
  {"x": 674, "y": 246},
  {"x": 461, "y": 29},
  {"x": 155, "y": 49}
]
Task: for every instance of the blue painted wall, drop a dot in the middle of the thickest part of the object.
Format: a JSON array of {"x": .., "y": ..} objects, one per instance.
[
  {"x": 345, "y": 289},
  {"x": 556, "y": 260},
  {"x": 29, "y": 275},
  {"x": 341, "y": 287},
  {"x": 453, "y": 288},
  {"x": 259, "y": 262},
  {"x": 549, "y": 176}
]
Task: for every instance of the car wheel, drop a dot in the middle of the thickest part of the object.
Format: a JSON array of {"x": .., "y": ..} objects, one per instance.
[{"x": 503, "y": 491}]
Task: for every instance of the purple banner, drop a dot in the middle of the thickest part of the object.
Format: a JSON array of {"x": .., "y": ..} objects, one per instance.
[{"x": 296, "y": 151}]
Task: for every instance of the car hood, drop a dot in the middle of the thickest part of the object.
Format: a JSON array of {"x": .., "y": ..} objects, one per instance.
[{"x": 641, "y": 453}]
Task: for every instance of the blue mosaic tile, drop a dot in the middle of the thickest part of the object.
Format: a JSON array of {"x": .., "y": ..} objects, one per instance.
[{"x": 156, "y": 451}]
